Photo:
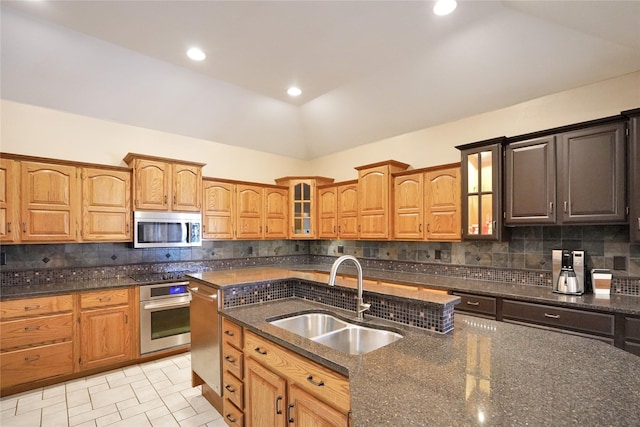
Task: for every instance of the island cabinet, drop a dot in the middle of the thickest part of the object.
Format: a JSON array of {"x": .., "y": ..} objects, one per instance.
[
  {"x": 232, "y": 373},
  {"x": 283, "y": 388},
  {"x": 338, "y": 210},
  {"x": 239, "y": 210},
  {"x": 634, "y": 173},
  {"x": 106, "y": 204},
  {"x": 9, "y": 201},
  {"x": 427, "y": 204},
  {"x": 482, "y": 190},
  {"x": 37, "y": 339},
  {"x": 50, "y": 202},
  {"x": 579, "y": 176},
  {"x": 375, "y": 199},
  {"x": 105, "y": 327},
  {"x": 162, "y": 184},
  {"x": 303, "y": 201}
]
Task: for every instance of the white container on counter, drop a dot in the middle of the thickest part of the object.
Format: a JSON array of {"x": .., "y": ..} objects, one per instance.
[{"x": 601, "y": 281}]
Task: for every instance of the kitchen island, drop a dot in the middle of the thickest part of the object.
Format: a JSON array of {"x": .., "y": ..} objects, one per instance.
[{"x": 485, "y": 372}]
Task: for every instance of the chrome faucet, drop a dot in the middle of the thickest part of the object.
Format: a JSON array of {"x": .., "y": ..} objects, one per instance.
[{"x": 361, "y": 307}]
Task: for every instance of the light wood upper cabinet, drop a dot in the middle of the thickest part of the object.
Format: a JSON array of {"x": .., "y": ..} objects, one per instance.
[
  {"x": 50, "y": 202},
  {"x": 249, "y": 211},
  {"x": 218, "y": 210},
  {"x": 165, "y": 185},
  {"x": 106, "y": 204},
  {"x": 443, "y": 204},
  {"x": 375, "y": 185},
  {"x": 303, "y": 199},
  {"x": 409, "y": 206},
  {"x": 348, "y": 210},
  {"x": 276, "y": 213},
  {"x": 9, "y": 202},
  {"x": 328, "y": 212}
]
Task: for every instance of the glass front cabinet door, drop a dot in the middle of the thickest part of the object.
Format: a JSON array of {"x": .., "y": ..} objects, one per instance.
[{"x": 481, "y": 190}]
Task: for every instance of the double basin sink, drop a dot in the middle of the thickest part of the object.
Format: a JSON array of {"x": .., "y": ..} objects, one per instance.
[{"x": 336, "y": 333}]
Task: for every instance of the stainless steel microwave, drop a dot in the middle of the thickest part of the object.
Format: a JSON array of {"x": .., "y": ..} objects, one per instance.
[{"x": 166, "y": 229}]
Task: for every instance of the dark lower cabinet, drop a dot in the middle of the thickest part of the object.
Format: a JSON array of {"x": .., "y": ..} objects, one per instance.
[
  {"x": 632, "y": 335},
  {"x": 634, "y": 173},
  {"x": 482, "y": 306}
]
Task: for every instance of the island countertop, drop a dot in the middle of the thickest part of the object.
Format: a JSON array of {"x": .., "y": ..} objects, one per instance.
[{"x": 484, "y": 373}]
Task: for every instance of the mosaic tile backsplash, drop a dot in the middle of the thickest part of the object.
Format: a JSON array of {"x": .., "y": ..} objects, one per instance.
[
  {"x": 420, "y": 314},
  {"x": 525, "y": 258}
]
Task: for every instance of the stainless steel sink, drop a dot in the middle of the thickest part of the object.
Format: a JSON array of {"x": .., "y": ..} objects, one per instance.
[
  {"x": 311, "y": 324},
  {"x": 335, "y": 333}
]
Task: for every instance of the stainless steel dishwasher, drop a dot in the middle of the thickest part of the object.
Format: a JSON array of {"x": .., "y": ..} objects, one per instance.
[{"x": 206, "y": 343}]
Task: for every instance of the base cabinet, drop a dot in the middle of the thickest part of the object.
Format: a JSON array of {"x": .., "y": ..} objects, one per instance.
[
  {"x": 632, "y": 335},
  {"x": 283, "y": 388}
]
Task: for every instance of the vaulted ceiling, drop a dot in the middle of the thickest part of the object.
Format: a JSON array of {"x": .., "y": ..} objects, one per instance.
[{"x": 368, "y": 69}]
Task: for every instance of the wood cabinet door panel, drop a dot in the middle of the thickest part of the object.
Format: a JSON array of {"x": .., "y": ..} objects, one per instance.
[
  {"x": 265, "y": 397},
  {"x": 219, "y": 210},
  {"x": 530, "y": 181},
  {"x": 306, "y": 411},
  {"x": 105, "y": 337},
  {"x": 187, "y": 188},
  {"x": 348, "y": 211},
  {"x": 9, "y": 202},
  {"x": 443, "y": 204},
  {"x": 249, "y": 211},
  {"x": 50, "y": 199},
  {"x": 106, "y": 205},
  {"x": 152, "y": 184},
  {"x": 276, "y": 213},
  {"x": 37, "y": 330},
  {"x": 32, "y": 364},
  {"x": 594, "y": 174},
  {"x": 327, "y": 212},
  {"x": 408, "y": 207}
]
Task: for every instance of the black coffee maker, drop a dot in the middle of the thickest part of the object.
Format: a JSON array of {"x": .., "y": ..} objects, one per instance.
[{"x": 568, "y": 271}]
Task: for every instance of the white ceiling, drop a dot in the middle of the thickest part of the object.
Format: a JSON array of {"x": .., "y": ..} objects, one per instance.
[{"x": 369, "y": 69}]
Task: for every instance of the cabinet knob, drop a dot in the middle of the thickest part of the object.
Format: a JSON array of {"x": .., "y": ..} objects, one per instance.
[
  {"x": 9, "y": 227},
  {"x": 24, "y": 227}
]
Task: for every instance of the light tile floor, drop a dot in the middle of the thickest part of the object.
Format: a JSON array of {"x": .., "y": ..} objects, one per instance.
[{"x": 157, "y": 394}]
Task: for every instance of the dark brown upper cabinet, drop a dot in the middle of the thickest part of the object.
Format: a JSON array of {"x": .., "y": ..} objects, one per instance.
[
  {"x": 576, "y": 176},
  {"x": 482, "y": 190},
  {"x": 634, "y": 173},
  {"x": 530, "y": 181}
]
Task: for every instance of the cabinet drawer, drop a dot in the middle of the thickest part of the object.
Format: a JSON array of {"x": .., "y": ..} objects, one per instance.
[
  {"x": 232, "y": 415},
  {"x": 233, "y": 389},
  {"x": 321, "y": 382},
  {"x": 632, "y": 347},
  {"x": 476, "y": 304},
  {"x": 231, "y": 333},
  {"x": 39, "y": 330},
  {"x": 565, "y": 318},
  {"x": 22, "y": 366},
  {"x": 232, "y": 360},
  {"x": 632, "y": 328},
  {"x": 36, "y": 306},
  {"x": 104, "y": 298}
]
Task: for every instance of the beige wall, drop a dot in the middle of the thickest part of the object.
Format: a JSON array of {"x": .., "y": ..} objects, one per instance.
[
  {"x": 37, "y": 131},
  {"x": 436, "y": 145}
]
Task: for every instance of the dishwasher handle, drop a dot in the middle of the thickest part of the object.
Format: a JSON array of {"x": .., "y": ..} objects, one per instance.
[{"x": 196, "y": 291}]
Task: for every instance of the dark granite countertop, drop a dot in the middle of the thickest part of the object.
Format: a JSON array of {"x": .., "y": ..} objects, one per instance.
[{"x": 484, "y": 373}]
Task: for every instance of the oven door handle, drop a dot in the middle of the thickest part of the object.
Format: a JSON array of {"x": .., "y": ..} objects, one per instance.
[{"x": 166, "y": 304}]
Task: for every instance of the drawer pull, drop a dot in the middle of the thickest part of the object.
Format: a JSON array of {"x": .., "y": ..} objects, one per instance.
[
  {"x": 552, "y": 316},
  {"x": 229, "y": 389},
  {"x": 318, "y": 383},
  {"x": 32, "y": 328},
  {"x": 289, "y": 406},
  {"x": 32, "y": 307},
  {"x": 32, "y": 359},
  {"x": 278, "y": 410},
  {"x": 230, "y": 418},
  {"x": 230, "y": 359},
  {"x": 229, "y": 333},
  {"x": 259, "y": 350},
  {"x": 104, "y": 299},
  {"x": 474, "y": 303}
]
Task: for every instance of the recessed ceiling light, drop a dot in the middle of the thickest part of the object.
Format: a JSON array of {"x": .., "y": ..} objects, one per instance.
[
  {"x": 294, "y": 91},
  {"x": 196, "y": 54},
  {"x": 444, "y": 7}
]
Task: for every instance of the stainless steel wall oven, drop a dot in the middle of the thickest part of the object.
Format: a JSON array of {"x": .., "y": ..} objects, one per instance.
[{"x": 164, "y": 316}]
